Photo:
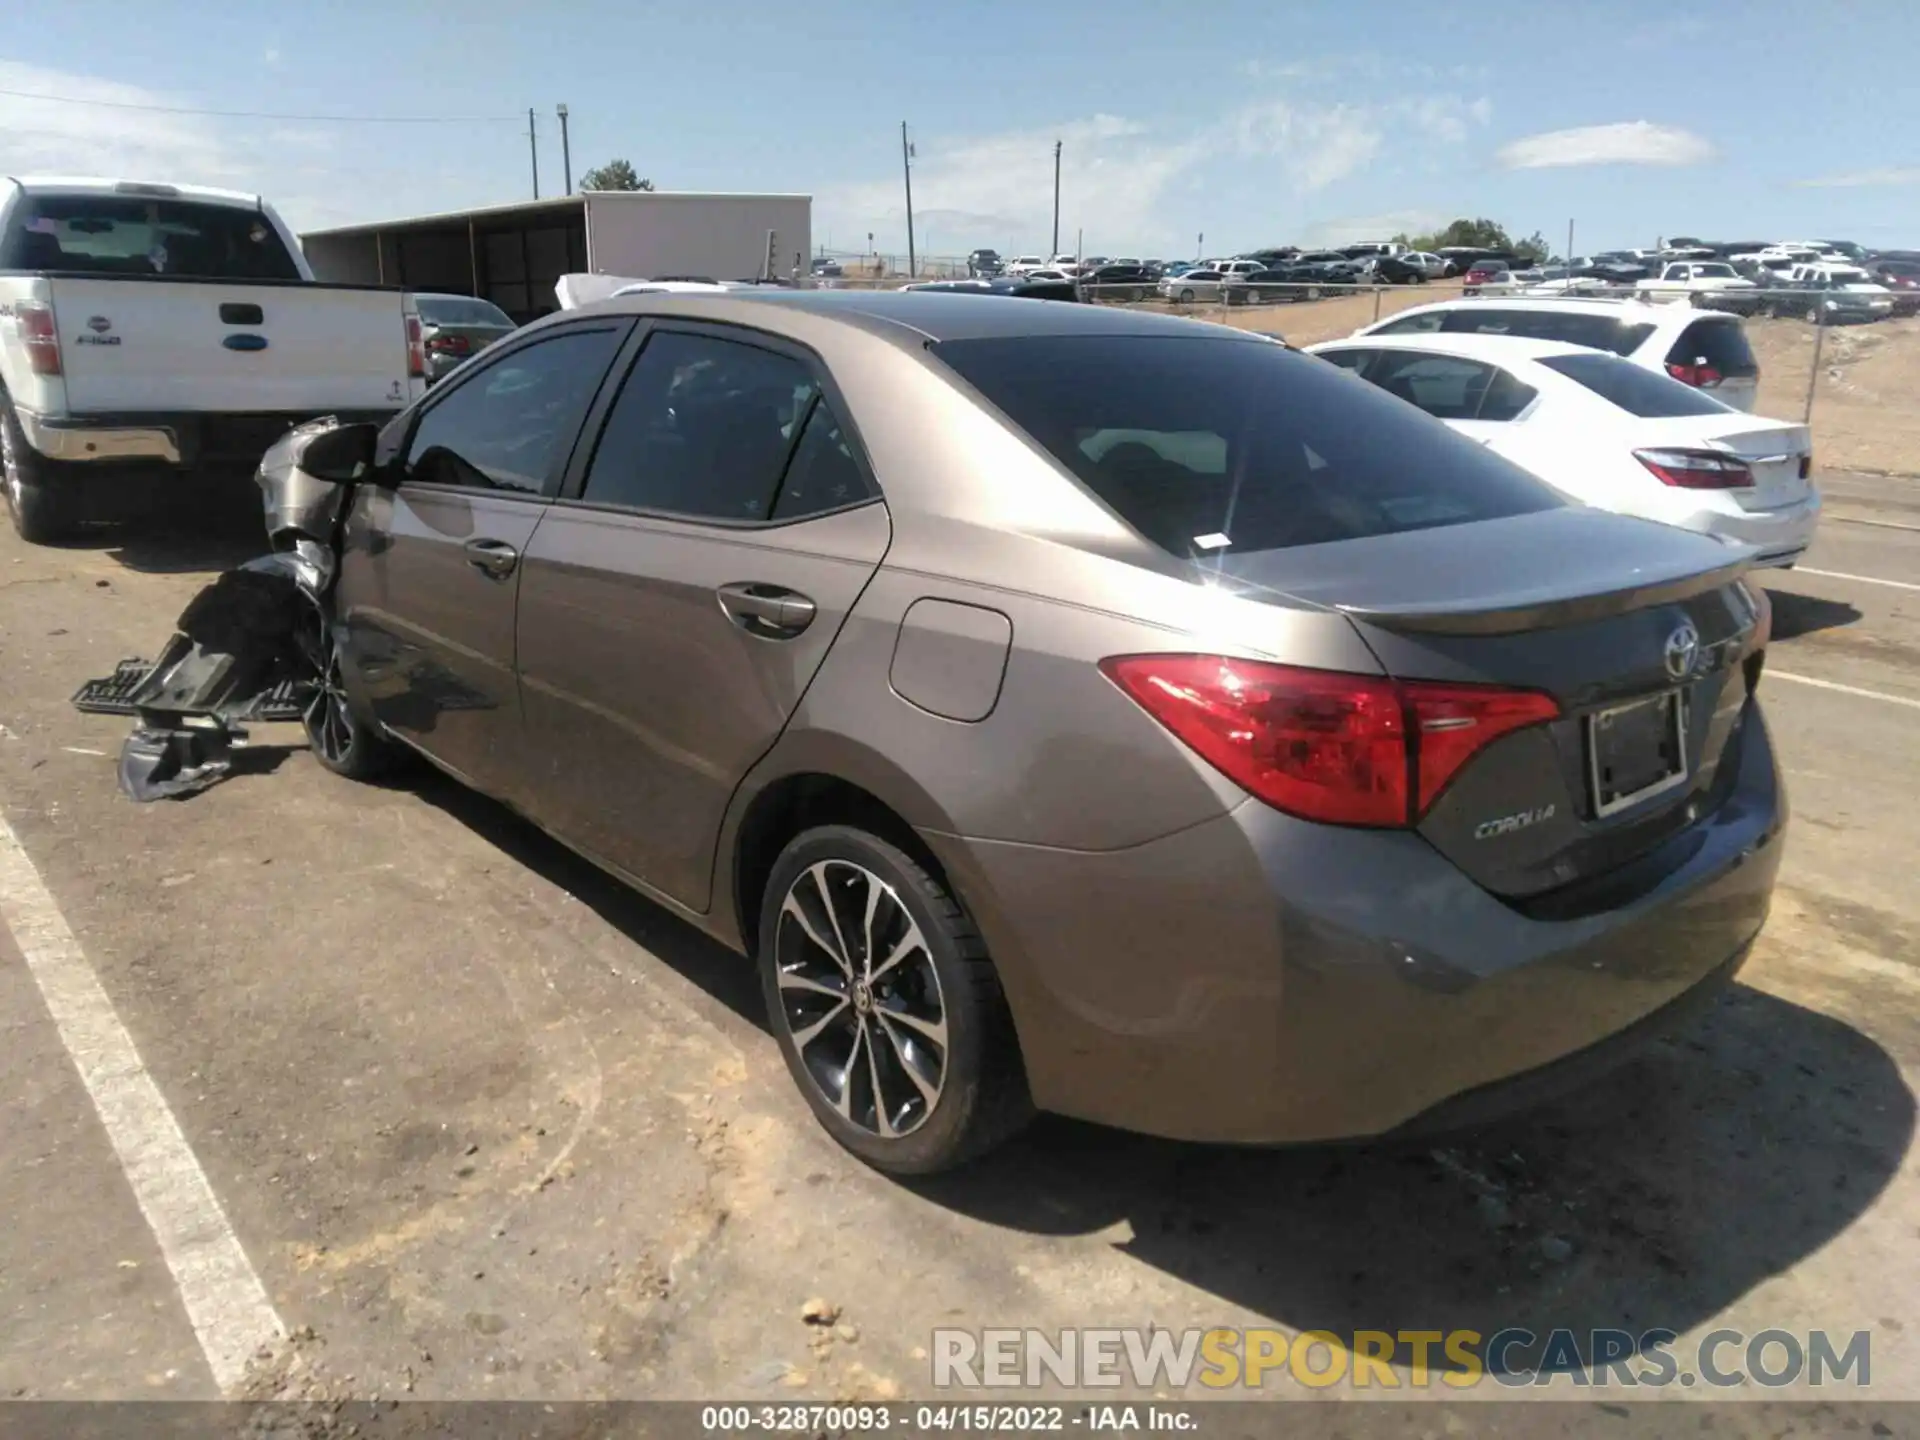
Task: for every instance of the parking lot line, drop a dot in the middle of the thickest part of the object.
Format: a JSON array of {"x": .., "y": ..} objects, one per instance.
[
  {"x": 224, "y": 1299},
  {"x": 1773, "y": 674},
  {"x": 1858, "y": 579}
]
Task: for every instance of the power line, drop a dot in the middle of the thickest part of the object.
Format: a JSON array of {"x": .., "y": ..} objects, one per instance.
[{"x": 269, "y": 115}]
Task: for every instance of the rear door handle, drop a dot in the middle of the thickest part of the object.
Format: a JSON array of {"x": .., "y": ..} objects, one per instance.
[
  {"x": 492, "y": 557},
  {"x": 769, "y": 611}
]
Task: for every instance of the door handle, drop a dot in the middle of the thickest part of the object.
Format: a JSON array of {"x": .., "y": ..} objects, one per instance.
[
  {"x": 769, "y": 611},
  {"x": 492, "y": 557}
]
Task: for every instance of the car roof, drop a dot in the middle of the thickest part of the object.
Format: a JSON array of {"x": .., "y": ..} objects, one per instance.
[
  {"x": 1494, "y": 349},
  {"x": 1637, "y": 310},
  {"x": 909, "y": 318},
  {"x": 101, "y": 185}
]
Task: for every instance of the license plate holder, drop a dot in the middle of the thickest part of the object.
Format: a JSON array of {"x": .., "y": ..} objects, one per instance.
[{"x": 1636, "y": 751}]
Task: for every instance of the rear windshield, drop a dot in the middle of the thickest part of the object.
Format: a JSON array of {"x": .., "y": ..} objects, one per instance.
[
  {"x": 457, "y": 310},
  {"x": 1719, "y": 343},
  {"x": 1208, "y": 446},
  {"x": 1638, "y": 392},
  {"x": 134, "y": 235},
  {"x": 1595, "y": 332}
]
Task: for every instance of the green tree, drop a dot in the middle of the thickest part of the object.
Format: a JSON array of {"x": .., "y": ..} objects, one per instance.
[
  {"x": 1534, "y": 247},
  {"x": 614, "y": 175}
]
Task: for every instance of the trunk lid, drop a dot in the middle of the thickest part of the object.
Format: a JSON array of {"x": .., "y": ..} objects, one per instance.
[
  {"x": 1774, "y": 452},
  {"x": 1589, "y": 608},
  {"x": 136, "y": 345}
]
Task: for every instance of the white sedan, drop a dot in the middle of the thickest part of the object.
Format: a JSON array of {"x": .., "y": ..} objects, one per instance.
[{"x": 1607, "y": 432}]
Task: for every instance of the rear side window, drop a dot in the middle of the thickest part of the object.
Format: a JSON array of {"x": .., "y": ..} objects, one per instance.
[
  {"x": 1638, "y": 392},
  {"x": 135, "y": 235},
  {"x": 1719, "y": 343},
  {"x": 1448, "y": 387},
  {"x": 1208, "y": 446}
]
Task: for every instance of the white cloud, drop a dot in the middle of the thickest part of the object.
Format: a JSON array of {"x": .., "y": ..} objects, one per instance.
[
  {"x": 1315, "y": 145},
  {"x": 1130, "y": 185},
  {"x": 1908, "y": 176},
  {"x": 49, "y": 137},
  {"x": 128, "y": 131},
  {"x": 998, "y": 189},
  {"x": 1628, "y": 142},
  {"x": 1347, "y": 230},
  {"x": 272, "y": 55}
]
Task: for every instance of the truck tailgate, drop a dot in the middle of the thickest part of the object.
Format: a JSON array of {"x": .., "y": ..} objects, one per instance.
[{"x": 134, "y": 345}]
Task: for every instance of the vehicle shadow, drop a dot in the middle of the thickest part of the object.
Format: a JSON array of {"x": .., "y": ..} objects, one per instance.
[
  {"x": 1720, "y": 1157},
  {"x": 1795, "y": 614},
  {"x": 700, "y": 960},
  {"x": 215, "y": 538},
  {"x": 1717, "y": 1159}
]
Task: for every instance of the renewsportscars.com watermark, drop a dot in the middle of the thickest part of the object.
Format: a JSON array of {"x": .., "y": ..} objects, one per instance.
[{"x": 1393, "y": 1360}]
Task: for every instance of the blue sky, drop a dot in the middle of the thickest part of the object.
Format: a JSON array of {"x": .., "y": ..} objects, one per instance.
[{"x": 1250, "y": 123}]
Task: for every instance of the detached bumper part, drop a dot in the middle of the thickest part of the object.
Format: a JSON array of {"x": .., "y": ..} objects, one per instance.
[
  {"x": 163, "y": 763},
  {"x": 245, "y": 650}
]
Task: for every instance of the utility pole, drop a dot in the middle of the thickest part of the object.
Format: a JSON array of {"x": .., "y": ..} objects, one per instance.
[
  {"x": 566, "y": 150},
  {"x": 906, "y": 169},
  {"x": 1569, "y": 249},
  {"x": 1200, "y": 245},
  {"x": 1056, "y": 201},
  {"x": 533, "y": 149}
]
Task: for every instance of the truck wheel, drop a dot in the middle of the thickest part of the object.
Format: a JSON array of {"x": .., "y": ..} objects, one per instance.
[{"x": 40, "y": 512}]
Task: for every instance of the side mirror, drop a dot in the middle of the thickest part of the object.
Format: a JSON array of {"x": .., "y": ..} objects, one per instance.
[{"x": 341, "y": 455}]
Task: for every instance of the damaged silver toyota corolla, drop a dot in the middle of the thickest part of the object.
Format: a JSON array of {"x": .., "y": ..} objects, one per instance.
[{"x": 252, "y": 646}]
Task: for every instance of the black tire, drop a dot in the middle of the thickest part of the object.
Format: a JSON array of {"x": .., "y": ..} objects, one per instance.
[
  {"x": 1186, "y": 297},
  {"x": 41, "y": 510},
  {"x": 340, "y": 740},
  {"x": 980, "y": 1094}
]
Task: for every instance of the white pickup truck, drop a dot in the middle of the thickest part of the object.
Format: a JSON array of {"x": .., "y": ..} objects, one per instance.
[
  {"x": 1710, "y": 284},
  {"x": 156, "y": 339}
]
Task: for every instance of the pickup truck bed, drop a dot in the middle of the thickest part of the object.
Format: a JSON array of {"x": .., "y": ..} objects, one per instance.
[{"x": 152, "y": 336}]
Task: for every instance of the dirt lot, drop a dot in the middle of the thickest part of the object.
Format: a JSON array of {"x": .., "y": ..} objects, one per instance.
[
  {"x": 487, "y": 1126},
  {"x": 1864, "y": 418}
]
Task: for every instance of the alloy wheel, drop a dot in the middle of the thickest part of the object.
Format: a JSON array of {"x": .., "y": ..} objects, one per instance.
[
  {"x": 861, "y": 998},
  {"x": 329, "y": 722}
]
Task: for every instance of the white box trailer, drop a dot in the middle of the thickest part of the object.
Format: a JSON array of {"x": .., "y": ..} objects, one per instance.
[{"x": 514, "y": 254}]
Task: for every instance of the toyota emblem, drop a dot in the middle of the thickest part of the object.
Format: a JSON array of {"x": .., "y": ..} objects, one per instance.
[
  {"x": 99, "y": 324},
  {"x": 1682, "y": 650}
]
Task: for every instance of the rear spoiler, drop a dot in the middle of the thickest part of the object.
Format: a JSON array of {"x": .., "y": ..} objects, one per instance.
[{"x": 1448, "y": 618}]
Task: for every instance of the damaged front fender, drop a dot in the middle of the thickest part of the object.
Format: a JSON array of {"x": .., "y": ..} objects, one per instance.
[{"x": 251, "y": 646}]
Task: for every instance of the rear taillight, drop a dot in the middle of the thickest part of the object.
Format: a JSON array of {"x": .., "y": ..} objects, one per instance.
[
  {"x": 1806, "y": 466},
  {"x": 1696, "y": 469},
  {"x": 1342, "y": 749},
  {"x": 448, "y": 344},
  {"x": 416, "y": 351},
  {"x": 33, "y": 320},
  {"x": 1700, "y": 375}
]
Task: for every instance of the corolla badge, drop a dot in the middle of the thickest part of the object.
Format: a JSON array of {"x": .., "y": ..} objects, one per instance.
[
  {"x": 1507, "y": 824},
  {"x": 1682, "y": 651}
]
